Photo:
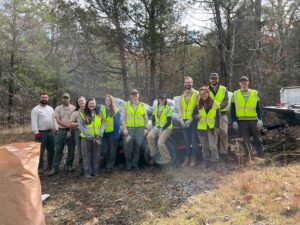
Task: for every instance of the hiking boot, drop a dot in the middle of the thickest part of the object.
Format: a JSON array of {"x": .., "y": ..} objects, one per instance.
[
  {"x": 227, "y": 158},
  {"x": 206, "y": 164},
  {"x": 88, "y": 176},
  {"x": 152, "y": 161},
  {"x": 96, "y": 175},
  {"x": 186, "y": 161},
  {"x": 108, "y": 170},
  {"x": 52, "y": 172},
  {"x": 193, "y": 162}
]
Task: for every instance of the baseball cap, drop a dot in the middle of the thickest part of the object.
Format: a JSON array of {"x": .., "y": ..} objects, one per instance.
[
  {"x": 134, "y": 91},
  {"x": 66, "y": 95},
  {"x": 162, "y": 95},
  {"x": 214, "y": 75},
  {"x": 244, "y": 78}
]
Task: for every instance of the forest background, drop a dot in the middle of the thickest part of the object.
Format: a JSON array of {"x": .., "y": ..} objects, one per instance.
[{"x": 98, "y": 47}]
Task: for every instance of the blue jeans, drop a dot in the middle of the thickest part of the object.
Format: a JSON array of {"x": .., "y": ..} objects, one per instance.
[{"x": 191, "y": 140}]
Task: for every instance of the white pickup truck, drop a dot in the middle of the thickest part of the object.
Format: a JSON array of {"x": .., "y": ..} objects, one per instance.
[{"x": 289, "y": 107}]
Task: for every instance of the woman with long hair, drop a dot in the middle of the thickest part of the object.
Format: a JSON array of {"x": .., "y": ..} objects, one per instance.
[
  {"x": 91, "y": 128},
  {"x": 208, "y": 115},
  {"x": 111, "y": 117},
  {"x": 162, "y": 128},
  {"x": 80, "y": 105}
]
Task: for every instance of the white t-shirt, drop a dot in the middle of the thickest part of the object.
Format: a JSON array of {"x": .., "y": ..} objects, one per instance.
[{"x": 42, "y": 118}]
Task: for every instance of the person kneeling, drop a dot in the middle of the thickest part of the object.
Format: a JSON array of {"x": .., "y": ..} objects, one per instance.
[
  {"x": 162, "y": 128},
  {"x": 208, "y": 114}
]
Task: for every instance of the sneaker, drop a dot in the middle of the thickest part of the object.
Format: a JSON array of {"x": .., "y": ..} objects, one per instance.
[
  {"x": 53, "y": 172},
  {"x": 88, "y": 176}
]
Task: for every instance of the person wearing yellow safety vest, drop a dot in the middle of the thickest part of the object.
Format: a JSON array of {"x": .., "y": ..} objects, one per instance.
[
  {"x": 91, "y": 128},
  {"x": 134, "y": 121},
  {"x": 186, "y": 105},
  {"x": 219, "y": 94},
  {"x": 162, "y": 128},
  {"x": 247, "y": 116},
  {"x": 111, "y": 116},
  {"x": 208, "y": 115}
]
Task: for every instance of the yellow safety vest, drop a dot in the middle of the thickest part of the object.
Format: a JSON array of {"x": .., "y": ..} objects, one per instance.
[
  {"x": 94, "y": 127},
  {"x": 109, "y": 120},
  {"x": 245, "y": 108},
  {"x": 207, "y": 119},
  {"x": 188, "y": 107},
  {"x": 135, "y": 118},
  {"x": 219, "y": 97},
  {"x": 162, "y": 119}
]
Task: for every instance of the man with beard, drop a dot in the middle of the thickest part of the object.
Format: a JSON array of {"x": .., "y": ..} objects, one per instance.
[
  {"x": 43, "y": 126},
  {"x": 186, "y": 105},
  {"x": 65, "y": 135},
  {"x": 219, "y": 94}
]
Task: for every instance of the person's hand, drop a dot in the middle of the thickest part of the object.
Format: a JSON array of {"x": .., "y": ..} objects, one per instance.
[
  {"x": 182, "y": 122},
  {"x": 145, "y": 131},
  {"x": 156, "y": 129},
  {"x": 37, "y": 136},
  {"x": 197, "y": 117},
  {"x": 189, "y": 122},
  {"x": 259, "y": 124},
  {"x": 235, "y": 125},
  {"x": 125, "y": 131}
]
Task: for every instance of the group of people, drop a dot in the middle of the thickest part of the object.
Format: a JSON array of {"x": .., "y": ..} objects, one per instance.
[{"x": 93, "y": 128}]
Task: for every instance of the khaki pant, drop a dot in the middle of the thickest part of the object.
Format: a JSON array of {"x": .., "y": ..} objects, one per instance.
[
  {"x": 165, "y": 134},
  {"x": 209, "y": 141},
  {"x": 223, "y": 134}
]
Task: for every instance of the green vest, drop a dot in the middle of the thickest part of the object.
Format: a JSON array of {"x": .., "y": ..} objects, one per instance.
[
  {"x": 162, "y": 119},
  {"x": 135, "y": 118},
  {"x": 245, "y": 108},
  {"x": 207, "y": 119},
  {"x": 94, "y": 127},
  {"x": 219, "y": 97},
  {"x": 109, "y": 120},
  {"x": 188, "y": 107}
]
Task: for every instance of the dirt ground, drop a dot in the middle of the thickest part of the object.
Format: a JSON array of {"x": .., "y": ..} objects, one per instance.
[{"x": 150, "y": 194}]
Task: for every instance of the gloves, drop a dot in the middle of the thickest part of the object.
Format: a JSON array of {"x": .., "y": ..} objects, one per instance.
[
  {"x": 68, "y": 137},
  {"x": 128, "y": 138},
  {"x": 156, "y": 129},
  {"x": 259, "y": 124},
  {"x": 235, "y": 125},
  {"x": 189, "y": 122},
  {"x": 145, "y": 131},
  {"x": 37, "y": 137},
  {"x": 182, "y": 122},
  {"x": 216, "y": 131}
]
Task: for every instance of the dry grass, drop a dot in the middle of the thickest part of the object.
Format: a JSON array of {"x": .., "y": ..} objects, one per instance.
[
  {"x": 16, "y": 133},
  {"x": 270, "y": 195}
]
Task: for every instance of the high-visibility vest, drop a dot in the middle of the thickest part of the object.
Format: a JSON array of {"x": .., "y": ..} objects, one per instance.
[
  {"x": 94, "y": 127},
  {"x": 109, "y": 120},
  {"x": 219, "y": 97},
  {"x": 207, "y": 119},
  {"x": 245, "y": 108},
  {"x": 135, "y": 118},
  {"x": 188, "y": 107},
  {"x": 162, "y": 119}
]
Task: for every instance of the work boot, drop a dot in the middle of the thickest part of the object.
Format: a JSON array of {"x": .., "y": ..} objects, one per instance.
[
  {"x": 69, "y": 169},
  {"x": 186, "y": 161},
  {"x": 206, "y": 164},
  {"x": 152, "y": 161},
  {"x": 52, "y": 172},
  {"x": 193, "y": 162},
  {"x": 227, "y": 158}
]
